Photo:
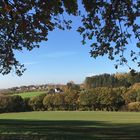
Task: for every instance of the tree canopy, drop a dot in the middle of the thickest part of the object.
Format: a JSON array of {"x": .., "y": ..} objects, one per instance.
[
  {"x": 113, "y": 80},
  {"x": 109, "y": 24}
]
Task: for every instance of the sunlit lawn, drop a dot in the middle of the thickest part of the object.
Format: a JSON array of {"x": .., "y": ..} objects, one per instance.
[
  {"x": 71, "y": 125},
  {"x": 30, "y": 94}
]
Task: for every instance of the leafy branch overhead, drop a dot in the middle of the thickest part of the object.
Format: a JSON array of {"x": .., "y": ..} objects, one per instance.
[{"x": 109, "y": 24}]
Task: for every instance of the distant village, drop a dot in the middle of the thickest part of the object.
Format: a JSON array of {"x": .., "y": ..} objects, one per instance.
[{"x": 51, "y": 88}]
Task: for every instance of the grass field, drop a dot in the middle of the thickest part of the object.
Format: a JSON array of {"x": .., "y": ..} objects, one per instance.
[
  {"x": 30, "y": 94},
  {"x": 70, "y": 125}
]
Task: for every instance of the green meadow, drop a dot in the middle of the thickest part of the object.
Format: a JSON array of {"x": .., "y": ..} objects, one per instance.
[
  {"x": 30, "y": 94},
  {"x": 72, "y": 125}
]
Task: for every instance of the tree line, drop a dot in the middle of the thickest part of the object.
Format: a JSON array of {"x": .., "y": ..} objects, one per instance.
[
  {"x": 97, "y": 99},
  {"x": 113, "y": 80}
]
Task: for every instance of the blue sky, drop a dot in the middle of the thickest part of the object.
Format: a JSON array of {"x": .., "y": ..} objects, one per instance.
[{"x": 59, "y": 60}]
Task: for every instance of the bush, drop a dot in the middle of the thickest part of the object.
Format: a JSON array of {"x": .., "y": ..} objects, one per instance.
[
  {"x": 48, "y": 102},
  {"x": 130, "y": 96},
  {"x": 59, "y": 102},
  {"x": 27, "y": 106},
  {"x": 17, "y": 103},
  {"x": 134, "y": 106},
  {"x": 5, "y": 104},
  {"x": 36, "y": 103},
  {"x": 11, "y": 104}
]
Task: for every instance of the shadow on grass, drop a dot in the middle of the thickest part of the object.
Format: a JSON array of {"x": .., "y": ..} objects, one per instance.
[{"x": 67, "y": 130}]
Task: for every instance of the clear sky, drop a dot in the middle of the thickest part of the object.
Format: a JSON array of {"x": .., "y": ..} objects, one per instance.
[{"x": 61, "y": 59}]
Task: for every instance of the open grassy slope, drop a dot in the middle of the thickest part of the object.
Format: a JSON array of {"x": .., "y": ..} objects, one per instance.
[
  {"x": 30, "y": 94},
  {"x": 71, "y": 125}
]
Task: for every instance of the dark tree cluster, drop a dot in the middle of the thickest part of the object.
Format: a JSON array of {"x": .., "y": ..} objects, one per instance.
[
  {"x": 108, "y": 24},
  {"x": 11, "y": 104},
  {"x": 113, "y": 80}
]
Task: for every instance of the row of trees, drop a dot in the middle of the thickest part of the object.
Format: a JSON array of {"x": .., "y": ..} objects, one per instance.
[
  {"x": 113, "y": 80},
  {"x": 109, "y": 99}
]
